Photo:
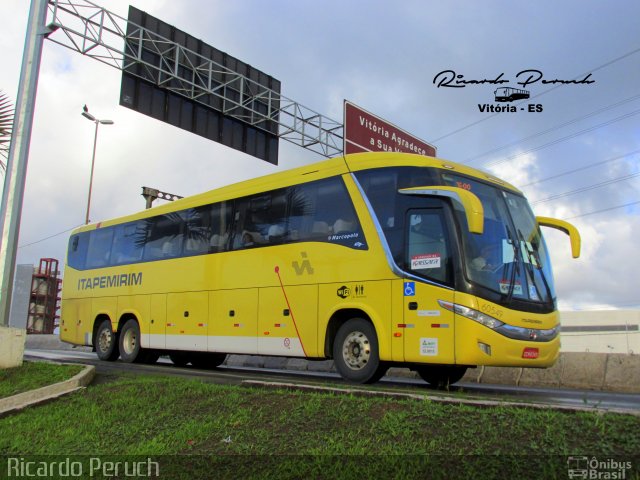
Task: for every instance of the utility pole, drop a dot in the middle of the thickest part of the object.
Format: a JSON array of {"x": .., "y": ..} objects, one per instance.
[{"x": 16, "y": 173}]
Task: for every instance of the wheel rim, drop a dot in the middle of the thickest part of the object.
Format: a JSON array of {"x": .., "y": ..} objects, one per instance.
[
  {"x": 356, "y": 350},
  {"x": 129, "y": 341},
  {"x": 105, "y": 340}
]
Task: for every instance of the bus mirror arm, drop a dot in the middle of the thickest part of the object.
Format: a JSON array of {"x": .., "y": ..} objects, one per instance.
[
  {"x": 470, "y": 202},
  {"x": 566, "y": 227}
]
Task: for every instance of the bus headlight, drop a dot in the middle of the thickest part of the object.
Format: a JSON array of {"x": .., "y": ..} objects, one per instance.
[
  {"x": 472, "y": 314},
  {"x": 511, "y": 331}
]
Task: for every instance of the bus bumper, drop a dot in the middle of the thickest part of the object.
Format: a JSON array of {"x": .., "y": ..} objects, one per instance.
[{"x": 479, "y": 345}]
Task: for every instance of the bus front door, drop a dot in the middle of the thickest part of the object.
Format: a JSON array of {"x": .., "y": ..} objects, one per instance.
[{"x": 428, "y": 327}]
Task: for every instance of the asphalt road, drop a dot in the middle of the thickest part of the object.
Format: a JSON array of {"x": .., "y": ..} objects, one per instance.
[{"x": 460, "y": 393}]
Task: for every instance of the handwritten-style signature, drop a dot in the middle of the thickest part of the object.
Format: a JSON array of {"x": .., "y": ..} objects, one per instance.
[{"x": 450, "y": 79}]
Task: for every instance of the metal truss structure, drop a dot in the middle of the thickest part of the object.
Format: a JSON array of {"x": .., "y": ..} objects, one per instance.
[{"x": 111, "y": 39}]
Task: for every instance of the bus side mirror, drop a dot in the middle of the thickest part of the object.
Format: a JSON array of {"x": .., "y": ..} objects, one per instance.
[
  {"x": 566, "y": 227},
  {"x": 470, "y": 202}
]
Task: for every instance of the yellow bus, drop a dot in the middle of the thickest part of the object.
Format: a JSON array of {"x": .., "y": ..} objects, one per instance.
[{"x": 372, "y": 260}]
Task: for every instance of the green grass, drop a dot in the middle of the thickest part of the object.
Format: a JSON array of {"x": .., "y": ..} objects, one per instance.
[
  {"x": 241, "y": 432},
  {"x": 32, "y": 375}
]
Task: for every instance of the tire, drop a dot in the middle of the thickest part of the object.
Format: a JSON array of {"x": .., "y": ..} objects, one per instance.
[
  {"x": 179, "y": 359},
  {"x": 441, "y": 376},
  {"x": 129, "y": 342},
  {"x": 356, "y": 354},
  {"x": 106, "y": 342},
  {"x": 206, "y": 360}
]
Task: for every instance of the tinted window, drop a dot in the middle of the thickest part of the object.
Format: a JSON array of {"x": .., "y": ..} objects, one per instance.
[
  {"x": 128, "y": 243},
  {"x": 428, "y": 249},
  {"x": 381, "y": 186},
  {"x": 99, "y": 250},
  {"x": 323, "y": 211},
  {"x": 261, "y": 220},
  {"x": 77, "y": 253},
  {"x": 317, "y": 211},
  {"x": 207, "y": 228},
  {"x": 165, "y": 235}
]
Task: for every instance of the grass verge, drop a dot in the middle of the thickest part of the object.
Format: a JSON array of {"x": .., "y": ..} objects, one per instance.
[
  {"x": 32, "y": 375},
  {"x": 197, "y": 429}
]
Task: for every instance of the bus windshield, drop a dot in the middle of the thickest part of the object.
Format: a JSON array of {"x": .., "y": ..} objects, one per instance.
[{"x": 510, "y": 257}]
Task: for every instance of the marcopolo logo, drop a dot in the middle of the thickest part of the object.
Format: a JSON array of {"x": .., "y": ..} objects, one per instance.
[
  {"x": 504, "y": 93},
  {"x": 596, "y": 468}
]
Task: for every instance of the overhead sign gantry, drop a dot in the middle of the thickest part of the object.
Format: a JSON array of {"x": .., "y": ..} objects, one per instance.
[{"x": 239, "y": 92}]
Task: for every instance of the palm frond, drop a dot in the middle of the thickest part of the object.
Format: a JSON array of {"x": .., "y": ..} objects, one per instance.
[{"x": 7, "y": 112}]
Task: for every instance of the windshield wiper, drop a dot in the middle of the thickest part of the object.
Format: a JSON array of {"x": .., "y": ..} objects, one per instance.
[
  {"x": 516, "y": 264},
  {"x": 533, "y": 259}
]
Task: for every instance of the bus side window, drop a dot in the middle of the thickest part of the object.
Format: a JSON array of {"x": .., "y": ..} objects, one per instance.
[
  {"x": 99, "y": 249},
  {"x": 165, "y": 235},
  {"x": 197, "y": 230},
  {"x": 221, "y": 214},
  {"x": 302, "y": 207},
  {"x": 77, "y": 254},
  {"x": 261, "y": 219},
  {"x": 128, "y": 243},
  {"x": 320, "y": 210}
]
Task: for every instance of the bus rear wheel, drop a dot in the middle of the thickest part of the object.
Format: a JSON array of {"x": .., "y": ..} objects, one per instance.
[
  {"x": 106, "y": 342},
  {"x": 441, "y": 376},
  {"x": 130, "y": 349},
  {"x": 356, "y": 354}
]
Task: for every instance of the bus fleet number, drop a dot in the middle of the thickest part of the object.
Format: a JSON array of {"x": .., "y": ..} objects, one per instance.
[{"x": 491, "y": 310}]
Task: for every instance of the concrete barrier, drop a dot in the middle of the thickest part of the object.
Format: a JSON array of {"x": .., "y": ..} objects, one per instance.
[
  {"x": 613, "y": 372},
  {"x": 12, "y": 342}
]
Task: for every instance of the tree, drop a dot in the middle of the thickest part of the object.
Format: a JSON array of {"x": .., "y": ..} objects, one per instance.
[{"x": 6, "y": 128}]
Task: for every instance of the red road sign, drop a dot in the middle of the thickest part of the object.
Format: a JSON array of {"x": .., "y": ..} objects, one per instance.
[{"x": 365, "y": 132}]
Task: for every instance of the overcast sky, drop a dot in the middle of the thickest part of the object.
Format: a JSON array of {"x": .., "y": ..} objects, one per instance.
[{"x": 383, "y": 56}]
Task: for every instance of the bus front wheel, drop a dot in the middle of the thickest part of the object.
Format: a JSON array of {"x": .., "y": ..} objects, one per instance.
[
  {"x": 106, "y": 342},
  {"x": 441, "y": 376},
  {"x": 356, "y": 354}
]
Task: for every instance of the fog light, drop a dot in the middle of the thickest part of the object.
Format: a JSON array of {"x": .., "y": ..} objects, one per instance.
[{"x": 485, "y": 348}]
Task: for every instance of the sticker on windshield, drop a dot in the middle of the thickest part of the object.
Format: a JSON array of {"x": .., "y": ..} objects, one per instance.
[
  {"x": 504, "y": 287},
  {"x": 428, "y": 260},
  {"x": 533, "y": 292}
]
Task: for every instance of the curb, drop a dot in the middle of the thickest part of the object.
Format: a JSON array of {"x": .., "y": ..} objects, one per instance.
[
  {"x": 444, "y": 399},
  {"x": 50, "y": 392}
]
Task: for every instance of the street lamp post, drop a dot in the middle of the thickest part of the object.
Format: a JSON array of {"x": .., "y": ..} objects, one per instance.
[{"x": 86, "y": 114}]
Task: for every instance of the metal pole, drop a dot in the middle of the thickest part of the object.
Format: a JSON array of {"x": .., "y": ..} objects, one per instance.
[
  {"x": 15, "y": 176},
  {"x": 93, "y": 161}
]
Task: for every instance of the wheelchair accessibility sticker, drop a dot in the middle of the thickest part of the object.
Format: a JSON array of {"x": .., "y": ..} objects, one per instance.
[{"x": 409, "y": 289}]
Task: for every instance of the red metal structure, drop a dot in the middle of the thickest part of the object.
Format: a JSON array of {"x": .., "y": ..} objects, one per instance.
[{"x": 44, "y": 300}]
